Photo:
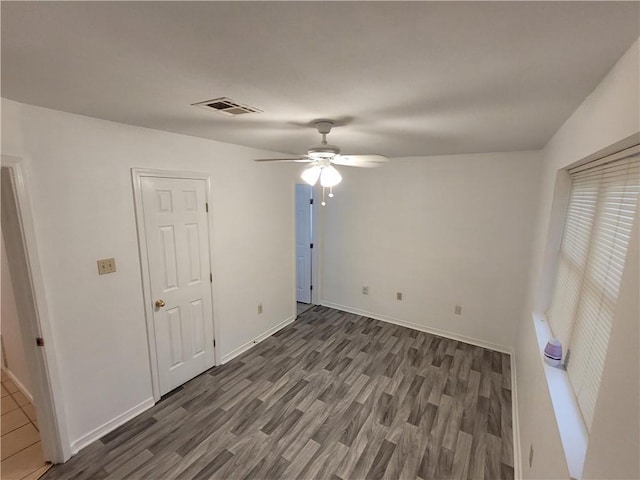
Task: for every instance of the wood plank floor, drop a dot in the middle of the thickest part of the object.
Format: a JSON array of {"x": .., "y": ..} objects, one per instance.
[{"x": 333, "y": 395}]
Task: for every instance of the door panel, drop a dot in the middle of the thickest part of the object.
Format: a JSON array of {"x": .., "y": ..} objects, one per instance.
[
  {"x": 193, "y": 244},
  {"x": 176, "y": 230},
  {"x": 197, "y": 313},
  {"x": 175, "y": 336},
  {"x": 168, "y": 255}
]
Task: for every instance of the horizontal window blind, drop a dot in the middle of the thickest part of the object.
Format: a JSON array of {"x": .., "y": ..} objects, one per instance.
[{"x": 602, "y": 207}]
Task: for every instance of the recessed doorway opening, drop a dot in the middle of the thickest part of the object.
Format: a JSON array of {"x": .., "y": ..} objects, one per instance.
[{"x": 304, "y": 247}]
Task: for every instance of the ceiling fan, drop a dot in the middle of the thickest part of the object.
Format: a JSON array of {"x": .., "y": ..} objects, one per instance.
[{"x": 322, "y": 158}]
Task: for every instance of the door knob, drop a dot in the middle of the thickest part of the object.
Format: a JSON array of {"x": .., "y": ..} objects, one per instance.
[{"x": 160, "y": 303}]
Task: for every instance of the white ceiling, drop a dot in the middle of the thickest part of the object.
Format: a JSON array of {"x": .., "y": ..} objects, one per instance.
[{"x": 402, "y": 78}]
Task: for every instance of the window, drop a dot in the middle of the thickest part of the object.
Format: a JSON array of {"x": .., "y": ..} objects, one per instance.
[{"x": 602, "y": 207}]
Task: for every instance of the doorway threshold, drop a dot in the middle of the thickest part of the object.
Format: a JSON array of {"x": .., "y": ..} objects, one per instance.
[{"x": 302, "y": 307}]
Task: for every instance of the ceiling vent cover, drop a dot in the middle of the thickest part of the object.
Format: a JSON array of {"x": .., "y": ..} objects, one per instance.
[{"x": 226, "y": 105}]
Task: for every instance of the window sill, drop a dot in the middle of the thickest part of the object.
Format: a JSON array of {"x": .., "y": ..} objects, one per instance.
[{"x": 573, "y": 432}]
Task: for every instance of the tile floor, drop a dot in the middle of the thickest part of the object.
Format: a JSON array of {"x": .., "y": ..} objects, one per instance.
[{"x": 22, "y": 457}]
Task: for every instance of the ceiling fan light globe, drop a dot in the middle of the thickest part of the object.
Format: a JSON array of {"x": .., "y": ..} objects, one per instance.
[
  {"x": 311, "y": 175},
  {"x": 330, "y": 177}
]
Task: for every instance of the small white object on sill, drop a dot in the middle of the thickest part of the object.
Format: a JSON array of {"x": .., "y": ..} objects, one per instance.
[{"x": 553, "y": 352}]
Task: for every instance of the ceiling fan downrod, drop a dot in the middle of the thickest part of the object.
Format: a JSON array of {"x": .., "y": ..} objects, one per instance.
[{"x": 324, "y": 128}]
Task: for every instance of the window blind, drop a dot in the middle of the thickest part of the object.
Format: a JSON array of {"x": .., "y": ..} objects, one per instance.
[{"x": 602, "y": 207}]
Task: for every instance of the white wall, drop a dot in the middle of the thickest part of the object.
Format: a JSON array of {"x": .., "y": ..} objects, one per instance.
[
  {"x": 78, "y": 176},
  {"x": 615, "y": 439},
  {"x": 609, "y": 116},
  {"x": 443, "y": 230},
  {"x": 11, "y": 336}
]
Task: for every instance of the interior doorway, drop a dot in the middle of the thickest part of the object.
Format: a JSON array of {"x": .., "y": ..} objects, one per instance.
[
  {"x": 33, "y": 426},
  {"x": 304, "y": 247},
  {"x": 22, "y": 452}
]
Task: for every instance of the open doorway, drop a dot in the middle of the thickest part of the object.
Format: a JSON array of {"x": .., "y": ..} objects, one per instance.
[
  {"x": 304, "y": 247},
  {"x": 32, "y": 426},
  {"x": 22, "y": 452}
]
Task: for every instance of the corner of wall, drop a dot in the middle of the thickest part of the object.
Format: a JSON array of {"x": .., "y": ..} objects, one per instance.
[{"x": 110, "y": 426}]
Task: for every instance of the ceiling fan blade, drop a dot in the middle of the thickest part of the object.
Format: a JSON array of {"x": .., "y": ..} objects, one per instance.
[
  {"x": 367, "y": 161},
  {"x": 299, "y": 159}
]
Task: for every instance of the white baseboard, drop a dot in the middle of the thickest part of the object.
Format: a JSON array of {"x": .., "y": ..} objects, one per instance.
[
  {"x": 422, "y": 328},
  {"x": 18, "y": 384},
  {"x": 243, "y": 348},
  {"x": 111, "y": 425},
  {"x": 515, "y": 422}
]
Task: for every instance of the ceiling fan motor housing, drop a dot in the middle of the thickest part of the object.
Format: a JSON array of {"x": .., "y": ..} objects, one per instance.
[
  {"x": 323, "y": 151},
  {"x": 323, "y": 126}
]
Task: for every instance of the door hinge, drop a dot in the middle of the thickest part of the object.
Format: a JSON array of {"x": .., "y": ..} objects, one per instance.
[
  {"x": 40, "y": 341},
  {"x": 214, "y": 342},
  {"x": 206, "y": 206},
  {"x": 311, "y": 245},
  {"x": 310, "y": 287},
  {"x": 211, "y": 277},
  {"x": 311, "y": 201}
]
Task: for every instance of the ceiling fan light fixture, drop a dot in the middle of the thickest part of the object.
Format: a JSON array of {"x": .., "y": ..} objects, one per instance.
[
  {"x": 330, "y": 177},
  {"x": 323, "y": 156},
  {"x": 311, "y": 175}
]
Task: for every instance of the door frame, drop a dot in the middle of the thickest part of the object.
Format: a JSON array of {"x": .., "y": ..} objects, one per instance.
[
  {"x": 43, "y": 366},
  {"x": 137, "y": 174},
  {"x": 311, "y": 240},
  {"x": 316, "y": 251}
]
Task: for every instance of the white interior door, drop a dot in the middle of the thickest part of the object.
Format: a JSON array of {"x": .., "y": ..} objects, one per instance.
[
  {"x": 177, "y": 236},
  {"x": 303, "y": 243}
]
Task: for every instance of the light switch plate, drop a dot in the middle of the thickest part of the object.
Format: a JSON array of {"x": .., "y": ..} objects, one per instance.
[{"x": 106, "y": 265}]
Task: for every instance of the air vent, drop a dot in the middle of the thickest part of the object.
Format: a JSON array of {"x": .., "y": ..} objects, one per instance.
[{"x": 226, "y": 105}]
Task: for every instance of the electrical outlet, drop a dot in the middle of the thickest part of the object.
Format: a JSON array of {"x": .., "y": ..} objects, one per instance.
[
  {"x": 457, "y": 310},
  {"x": 398, "y": 295},
  {"x": 531, "y": 455},
  {"x": 259, "y": 308},
  {"x": 365, "y": 290},
  {"x": 106, "y": 265}
]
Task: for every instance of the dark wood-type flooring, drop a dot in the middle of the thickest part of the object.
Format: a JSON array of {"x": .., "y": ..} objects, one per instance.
[{"x": 333, "y": 395}]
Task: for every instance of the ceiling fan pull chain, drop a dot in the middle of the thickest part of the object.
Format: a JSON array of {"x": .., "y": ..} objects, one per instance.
[
  {"x": 331, "y": 191},
  {"x": 323, "y": 203}
]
